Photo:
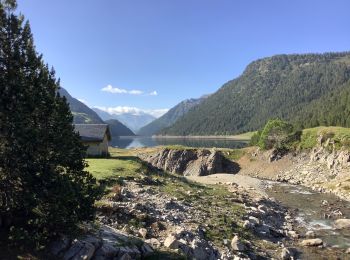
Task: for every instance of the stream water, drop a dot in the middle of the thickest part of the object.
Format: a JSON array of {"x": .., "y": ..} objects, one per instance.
[{"x": 313, "y": 211}]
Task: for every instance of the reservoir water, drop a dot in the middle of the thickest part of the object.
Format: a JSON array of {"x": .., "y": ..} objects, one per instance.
[{"x": 148, "y": 141}]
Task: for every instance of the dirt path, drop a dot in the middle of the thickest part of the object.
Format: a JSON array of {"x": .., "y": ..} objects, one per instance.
[{"x": 249, "y": 183}]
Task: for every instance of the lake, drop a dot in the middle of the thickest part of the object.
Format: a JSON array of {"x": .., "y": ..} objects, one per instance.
[{"x": 147, "y": 141}]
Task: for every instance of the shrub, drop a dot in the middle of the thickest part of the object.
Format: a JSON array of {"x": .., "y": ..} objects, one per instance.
[
  {"x": 255, "y": 138},
  {"x": 278, "y": 134}
]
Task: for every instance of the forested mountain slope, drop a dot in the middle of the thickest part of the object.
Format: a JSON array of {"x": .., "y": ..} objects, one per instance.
[
  {"x": 118, "y": 129},
  {"x": 307, "y": 89},
  {"x": 171, "y": 116},
  {"x": 81, "y": 112}
]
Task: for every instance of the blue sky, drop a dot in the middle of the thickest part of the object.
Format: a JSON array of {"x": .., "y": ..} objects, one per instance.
[{"x": 152, "y": 54}]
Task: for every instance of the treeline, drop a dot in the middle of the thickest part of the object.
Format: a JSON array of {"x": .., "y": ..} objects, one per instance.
[
  {"x": 44, "y": 190},
  {"x": 308, "y": 90}
]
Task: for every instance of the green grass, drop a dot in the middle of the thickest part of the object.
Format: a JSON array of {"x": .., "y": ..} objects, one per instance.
[
  {"x": 340, "y": 135},
  {"x": 233, "y": 154},
  {"x": 103, "y": 169}
]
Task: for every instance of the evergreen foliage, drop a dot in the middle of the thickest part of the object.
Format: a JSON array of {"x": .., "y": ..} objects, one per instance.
[
  {"x": 277, "y": 134},
  {"x": 44, "y": 189},
  {"x": 307, "y": 90},
  {"x": 170, "y": 117}
]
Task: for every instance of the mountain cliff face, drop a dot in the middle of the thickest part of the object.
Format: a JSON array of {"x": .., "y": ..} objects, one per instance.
[
  {"x": 308, "y": 90},
  {"x": 81, "y": 112},
  {"x": 170, "y": 117}
]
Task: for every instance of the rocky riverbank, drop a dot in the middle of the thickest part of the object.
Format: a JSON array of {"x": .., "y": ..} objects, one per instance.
[
  {"x": 156, "y": 214},
  {"x": 322, "y": 168}
]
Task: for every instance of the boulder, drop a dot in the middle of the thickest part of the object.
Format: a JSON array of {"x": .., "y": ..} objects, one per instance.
[
  {"x": 143, "y": 232},
  {"x": 236, "y": 244},
  {"x": 146, "y": 250},
  {"x": 310, "y": 234},
  {"x": 80, "y": 250},
  {"x": 285, "y": 254},
  {"x": 342, "y": 223},
  {"x": 106, "y": 251},
  {"x": 312, "y": 242},
  {"x": 191, "y": 162},
  {"x": 171, "y": 242},
  {"x": 153, "y": 242}
]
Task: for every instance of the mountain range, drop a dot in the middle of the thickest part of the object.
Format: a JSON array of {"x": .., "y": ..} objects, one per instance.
[
  {"x": 82, "y": 114},
  {"x": 307, "y": 90},
  {"x": 171, "y": 116},
  {"x": 134, "y": 121}
]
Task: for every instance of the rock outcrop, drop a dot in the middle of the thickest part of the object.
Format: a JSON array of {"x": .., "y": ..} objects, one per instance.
[
  {"x": 191, "y": 162},
  {"x": 106, "y": 243},
  {"x": 333, "y": 159}
]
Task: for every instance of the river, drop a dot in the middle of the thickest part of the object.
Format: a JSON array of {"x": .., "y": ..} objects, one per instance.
[{"x": 313, "y": 213}]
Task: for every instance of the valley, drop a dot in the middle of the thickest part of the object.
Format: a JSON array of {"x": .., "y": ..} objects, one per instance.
[
  {"x": 143, "y": 152},
  {"x": 242, "y": 214}
]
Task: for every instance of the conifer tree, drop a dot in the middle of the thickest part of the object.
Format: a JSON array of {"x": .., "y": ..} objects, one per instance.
[{"x": 43, "y": 186}]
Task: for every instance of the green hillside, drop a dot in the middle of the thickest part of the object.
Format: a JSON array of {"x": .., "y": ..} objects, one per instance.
[
  {"x": 170, "y": 117},
  {"x": 81, "y": 112},
  {"x": 308, "y": 90}
]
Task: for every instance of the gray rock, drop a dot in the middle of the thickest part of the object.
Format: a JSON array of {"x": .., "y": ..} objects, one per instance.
[
  {"x": 342, "y": 223},
  {"x": 131, "y": 251},
  {"x": 310, "y": 234},
  {"x": 285, "y": 254},
  {"x": 171, "y": 242},
  {"x": 196, "y": 162},
  {"x": 312, "y": 242},
  {"x": 236, "y": 244},
  {"x": 80, "y": 251},
  {"x": 106, "y": 251},
  {"x": 146, "y": 250},
  {"x": 153, "y": 242},
  {"x": 143, "y": 232}
]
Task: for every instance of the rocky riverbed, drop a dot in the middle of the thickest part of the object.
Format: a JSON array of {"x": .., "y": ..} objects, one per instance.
[
  {"x": 163, "y": 215},
  {"x": 139, "y": 220}
]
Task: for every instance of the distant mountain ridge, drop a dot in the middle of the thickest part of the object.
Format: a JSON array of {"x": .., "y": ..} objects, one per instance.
[
  {"x": 306, "y": 89},
  {"x": 118, "y": 129},
  {"x": 171, "y": 116},
  {"x": 132, "y": 121},
  {"x": 82, "y": 114}
]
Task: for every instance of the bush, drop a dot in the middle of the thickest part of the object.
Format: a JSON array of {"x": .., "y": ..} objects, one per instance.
[
  {"x": 277, "y": 134},
  {"x": 255, "y": 138}
]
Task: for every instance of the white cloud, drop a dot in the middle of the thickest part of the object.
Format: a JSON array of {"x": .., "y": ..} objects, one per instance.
[
  {"x": 153, "y": 93},
  {"x": 116, "y": 90},
  {"x": 135, "y": 92},
  {"x": 133, "y": 110}
]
